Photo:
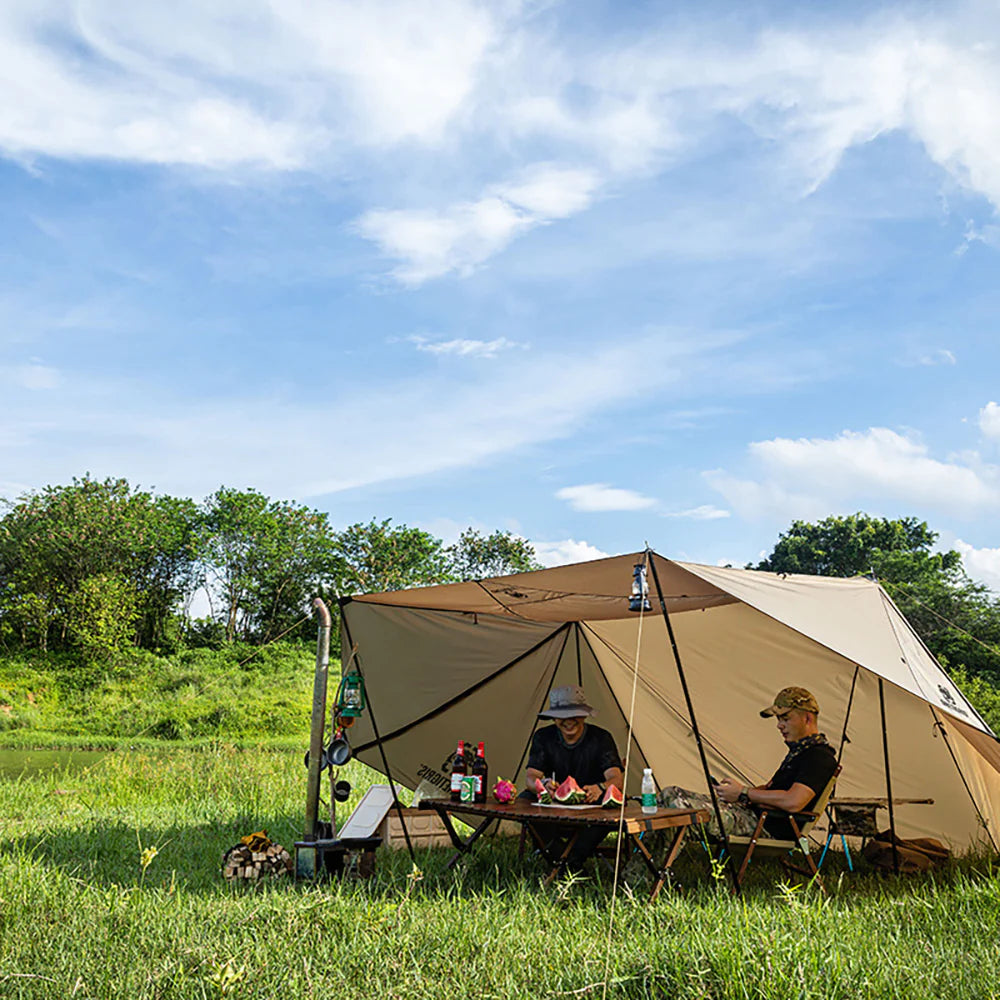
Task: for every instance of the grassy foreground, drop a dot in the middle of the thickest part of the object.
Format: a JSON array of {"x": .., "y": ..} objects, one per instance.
[{"x": 80, "y": 917}]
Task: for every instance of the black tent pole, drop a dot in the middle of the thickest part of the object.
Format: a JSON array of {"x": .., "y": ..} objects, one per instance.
[
  {"x": 888, "y": 778},
  {"x": 850, "y": 701},
  {"x": 378, "y": 739},
  {"x": 691, "y": 715}
]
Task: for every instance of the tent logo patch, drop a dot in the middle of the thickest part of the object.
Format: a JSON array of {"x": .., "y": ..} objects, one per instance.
[{"x": 949, "y": 702}]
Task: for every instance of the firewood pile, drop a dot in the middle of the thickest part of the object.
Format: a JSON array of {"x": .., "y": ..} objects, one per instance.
[{"x": 255, "y": 858}]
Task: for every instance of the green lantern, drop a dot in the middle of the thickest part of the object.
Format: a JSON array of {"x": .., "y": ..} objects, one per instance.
[{"x": 351, "y": 696}]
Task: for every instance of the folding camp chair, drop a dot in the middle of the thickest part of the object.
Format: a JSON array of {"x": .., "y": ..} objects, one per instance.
[{"x": 801, "y": 824}]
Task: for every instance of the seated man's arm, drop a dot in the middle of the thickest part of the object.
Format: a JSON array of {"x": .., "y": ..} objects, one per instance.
[
  {"x": 531, "y": 774},
  {"x": 612, "y": 776},
  {"x": 792, "y": 800}
]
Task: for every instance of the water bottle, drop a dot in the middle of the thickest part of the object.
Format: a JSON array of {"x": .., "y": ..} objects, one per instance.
[{"x": 648, "y": 791}]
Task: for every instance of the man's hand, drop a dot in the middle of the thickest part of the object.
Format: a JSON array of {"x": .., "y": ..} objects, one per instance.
[
  {"x": 593, "y": 792},
  {"x": 729, "y": 790}
]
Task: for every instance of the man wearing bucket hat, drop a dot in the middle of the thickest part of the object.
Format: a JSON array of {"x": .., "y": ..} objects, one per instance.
[
  {"x": 577, "y": 748},
  {"x": 573, "y": 747},
  {"x": 808, "y": 765}
]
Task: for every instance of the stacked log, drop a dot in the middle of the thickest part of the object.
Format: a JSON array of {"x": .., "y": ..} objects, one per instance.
[{"x": 243, "y": 862}]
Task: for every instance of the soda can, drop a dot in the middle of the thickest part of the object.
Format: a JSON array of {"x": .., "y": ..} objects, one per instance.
[{"x": 467, "y": 792}]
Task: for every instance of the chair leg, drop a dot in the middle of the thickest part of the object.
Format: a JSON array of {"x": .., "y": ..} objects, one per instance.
[
  {"x": 847, "y": 853},
  {"x": 803, "y": 843},
  {"x": 826, "y": 847},
  {"x": 746, "y": 857}
]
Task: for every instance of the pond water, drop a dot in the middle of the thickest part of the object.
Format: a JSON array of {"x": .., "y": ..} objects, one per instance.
[{"x": 30, "y": 763}]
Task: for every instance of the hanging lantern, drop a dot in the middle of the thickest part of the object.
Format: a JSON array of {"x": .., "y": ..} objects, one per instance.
[
  {"x": 350, "y": 696},
  {"x": 639, "y": 599}
]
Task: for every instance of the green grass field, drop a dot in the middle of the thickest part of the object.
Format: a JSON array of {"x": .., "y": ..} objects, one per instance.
[{"x": 80, "y": 917}]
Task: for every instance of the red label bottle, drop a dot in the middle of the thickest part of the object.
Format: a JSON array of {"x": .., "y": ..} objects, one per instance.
[
  {"x": 480, "y": 772},
  {"x": 458, "y": 771}
]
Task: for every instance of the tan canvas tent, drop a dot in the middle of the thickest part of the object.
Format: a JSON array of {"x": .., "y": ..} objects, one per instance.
[{"x": 476, "y": 661}]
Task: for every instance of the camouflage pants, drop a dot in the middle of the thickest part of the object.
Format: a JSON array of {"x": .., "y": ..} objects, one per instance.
[{"x": 741, "y": 821}]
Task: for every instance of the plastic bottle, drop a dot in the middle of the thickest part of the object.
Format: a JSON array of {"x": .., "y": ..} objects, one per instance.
[{"x": 648, "y": 791}]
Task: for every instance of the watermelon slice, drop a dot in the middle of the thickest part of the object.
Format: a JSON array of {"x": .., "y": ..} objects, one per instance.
[
  {"x": 569, "y": 793},
  {"x": 544, "y": 796},
  {"x": 613, "y": 798}
]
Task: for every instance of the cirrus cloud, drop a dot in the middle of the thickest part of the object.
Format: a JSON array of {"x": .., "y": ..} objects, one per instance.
[{"x": 602, "y": 497}]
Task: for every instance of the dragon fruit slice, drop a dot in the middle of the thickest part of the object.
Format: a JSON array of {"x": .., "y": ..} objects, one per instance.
[
  {"x": 569, "y": 793},
  {"x": 613, "y": 798},
  {"x": 504, "y": 791},
  {"x": 544, "y": 795}
]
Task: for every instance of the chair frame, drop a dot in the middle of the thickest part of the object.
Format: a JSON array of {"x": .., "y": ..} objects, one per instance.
[{"x": 801, "y": 824}]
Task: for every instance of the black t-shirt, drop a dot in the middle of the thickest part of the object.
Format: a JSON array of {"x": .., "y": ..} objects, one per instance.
[
  {"x": 586, "y": 760},
  {"x": 813, "y": 767}
]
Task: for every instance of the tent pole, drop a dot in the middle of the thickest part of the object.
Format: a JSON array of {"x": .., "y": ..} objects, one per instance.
[
  {"x": 847, "y": 715},
  {"x": 691, "y": 715},
  {"x": 888, "y": 778},
  {"x": 579, "y": 665},
  {"x": 378, "y": 739}
]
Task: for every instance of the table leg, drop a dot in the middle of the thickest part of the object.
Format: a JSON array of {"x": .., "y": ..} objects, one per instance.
[
  {"x": 462, "y": 846},
  {"x": 557, "y": 863},
  {"x": 660, "y": 873}
]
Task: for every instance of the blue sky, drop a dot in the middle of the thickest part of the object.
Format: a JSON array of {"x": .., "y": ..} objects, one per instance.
[{"x": 600, "y": 274}]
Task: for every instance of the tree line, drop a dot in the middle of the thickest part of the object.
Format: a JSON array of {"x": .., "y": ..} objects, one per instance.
[{"x": 99, "y": 566}]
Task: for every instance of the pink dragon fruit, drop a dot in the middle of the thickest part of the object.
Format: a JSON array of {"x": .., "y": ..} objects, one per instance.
[{"x": 504, "y": 791}]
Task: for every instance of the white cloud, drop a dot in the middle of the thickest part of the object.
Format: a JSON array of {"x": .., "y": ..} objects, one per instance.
[
  {"x": 602, "y": 497},
  {"x": 461, "y": 236},
  {"x": 989, "y": 420},
  {"x": 463, "y": 347},
  {"x": 234, "y": 82},
  {"x": 567, "y": 551},
  {"x": 704, "y": 512},
  {"x": 931, "y": 359},
  {"x": 981, "y": 564},
  {"x": 809, "y": 478}
]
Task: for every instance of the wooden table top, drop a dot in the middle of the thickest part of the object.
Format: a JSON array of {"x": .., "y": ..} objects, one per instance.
[{"x": 522, "y": 811}]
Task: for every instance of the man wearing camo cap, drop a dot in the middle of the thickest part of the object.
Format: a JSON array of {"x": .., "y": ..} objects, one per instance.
[{"x": 809, "y": 764}]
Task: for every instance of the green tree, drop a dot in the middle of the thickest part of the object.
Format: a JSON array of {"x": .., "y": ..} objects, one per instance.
[
  {"x": 957, "y": 618},
  {"x": 379, "y": 556},
  {"x": 476, "y": 556},
  {"x": 135, "y": 549},
  {"x": 263, "y": 561}
]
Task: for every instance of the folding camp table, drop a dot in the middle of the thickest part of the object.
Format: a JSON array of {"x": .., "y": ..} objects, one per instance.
[{"x": 575, "y": 819}]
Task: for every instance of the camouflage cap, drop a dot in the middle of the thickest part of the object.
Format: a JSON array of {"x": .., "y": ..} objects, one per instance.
[{"x": 789, "y": 698}]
